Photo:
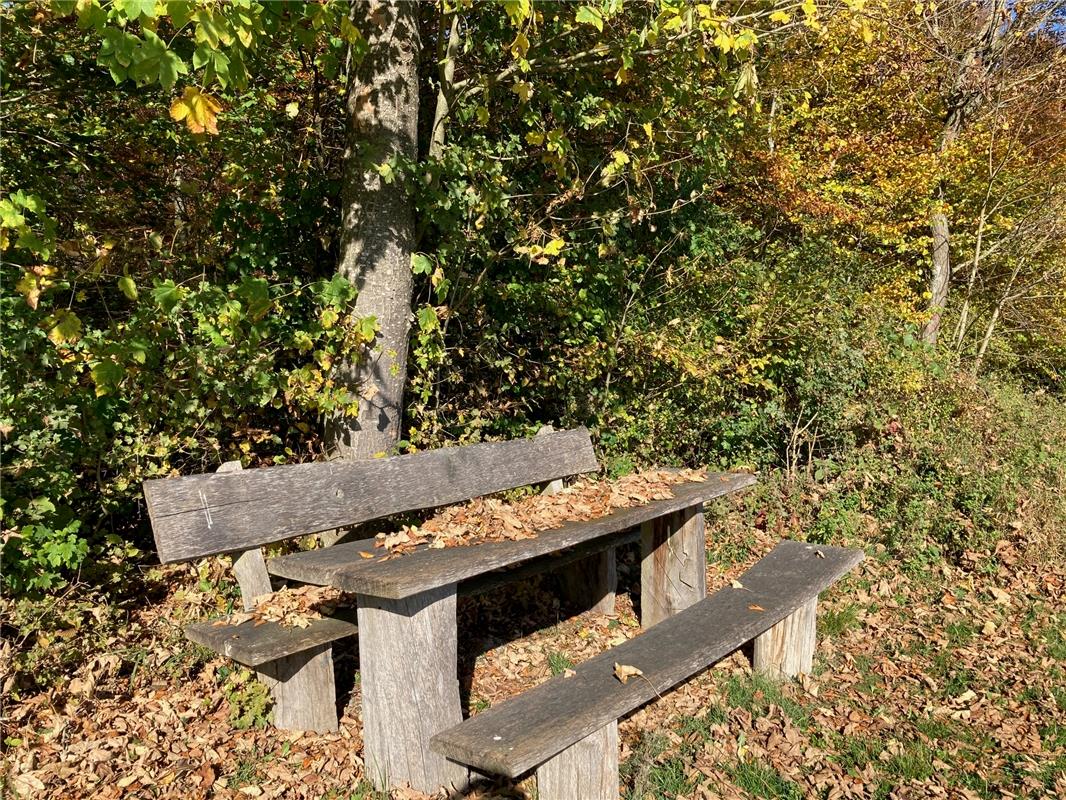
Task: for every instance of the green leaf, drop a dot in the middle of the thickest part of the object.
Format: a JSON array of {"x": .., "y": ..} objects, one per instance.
[
  {"x": 107, "y": 375},
  {"x": 92, "y": 15},
  {"x": 153, "y": 62},
  {"x": 421, "y": 264},
  {"x": 134, "y": 9},
  {"x": 367, "y": 328},
  {"x": 166, "y": 295},
  {"x": 256, "y": 294},
  {"x": 589, "y": 16},
  {"x": 336, "y": 292},
  {"x": 180, "y": 12},
  {"x": 427, "y": 318},
  {"x": 127, "y": 286},
  {"x": 171, "y": 66},
  {"x": 64, "y": 8}
]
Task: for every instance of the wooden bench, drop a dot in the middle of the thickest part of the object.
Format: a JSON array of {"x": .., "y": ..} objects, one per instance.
[
  {"x": 406, "y": 605},
  {"x": 567, "y": 727}
]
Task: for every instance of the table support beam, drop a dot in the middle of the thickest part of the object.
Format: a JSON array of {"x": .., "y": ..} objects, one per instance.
[
  {"x": 590, "y": 582},
  {"x": 408, "y": 656},
  {"x": 673, "y": 567}
]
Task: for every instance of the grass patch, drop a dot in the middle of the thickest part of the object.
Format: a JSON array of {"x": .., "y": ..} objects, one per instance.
[
  {"x": 559, "y": 662},
  {"x": 960, "y": 633},
  {"x": 667, "y": 779},
  {"x": 855, "y": 752},
  {"x": 756, "y": 694},
  {"x": 762, "y": 780},
  {"x": 1055, "y": 637},
  {"x": 247, "y": 770},
  {"x": 714, "y": 715},
  {"x": 835, "y": 622},
  {"x": 914, "y": 763}
]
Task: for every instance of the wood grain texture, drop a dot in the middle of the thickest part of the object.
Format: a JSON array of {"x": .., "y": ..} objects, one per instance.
[
  {"x": 527, "y": 730},
  {"x": 408, "y": 657},
  {"x": 253, "y": 645},
  {"x": 305, "y": 695},
  {"x": 343, "y": 567},
  {"x": 202, "y": 515},
  {"x": 787, "y": 649},
  {"x": 589, "y": 583},
  {"x": 249, "y": 567},
  {"x": 586, "y": 770},
  {"x": 673, "y": 565}
]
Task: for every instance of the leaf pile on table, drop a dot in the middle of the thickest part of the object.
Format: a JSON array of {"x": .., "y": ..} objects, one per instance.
[
  {"x": 489, "y": 519},
  {"x": 484, "y": 519}
]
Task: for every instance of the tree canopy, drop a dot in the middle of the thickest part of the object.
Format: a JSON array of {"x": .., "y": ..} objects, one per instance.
[{"x": 702, "y": 229}]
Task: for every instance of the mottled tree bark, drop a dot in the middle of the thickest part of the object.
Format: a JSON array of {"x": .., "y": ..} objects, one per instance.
[{"x": 378, "y": 226}]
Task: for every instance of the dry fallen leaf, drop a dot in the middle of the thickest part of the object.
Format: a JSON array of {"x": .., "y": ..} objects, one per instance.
[
  {"x": 989, "y": 628},
  {"x": 624, "y": 672},
  {"x": 568, "y": 673},
  {"x": 755, "y": 607},
  {"x": 737, "y": 585},
  {"x": 364, "y": 554}
]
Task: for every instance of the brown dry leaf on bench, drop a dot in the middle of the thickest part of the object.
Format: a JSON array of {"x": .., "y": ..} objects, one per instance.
[
  {"x": 291, "y": 607},
  {"x": 488, "y": 519},
  {"x": 624, "y": 672}
]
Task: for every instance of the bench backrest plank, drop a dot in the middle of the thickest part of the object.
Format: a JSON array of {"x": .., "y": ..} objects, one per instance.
[{"x": 202, "y": 515}]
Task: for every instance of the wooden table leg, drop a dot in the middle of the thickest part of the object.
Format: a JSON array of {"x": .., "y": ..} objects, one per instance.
[
  {"x": 408, "y": 655},
  {"x": 590, "y": 582},
  {"x": 673, "y": 564}
]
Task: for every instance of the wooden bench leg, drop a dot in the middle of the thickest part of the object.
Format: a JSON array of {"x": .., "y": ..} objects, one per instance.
[
  {"x": 787, "y": 649},
  {"x": 305, "y": 696},
  {"x": 590, "y": 582},
  {"x": 408, "y": 662},
  {"x": 587, "y": 769},
  {"x": 673, "y": 567}
]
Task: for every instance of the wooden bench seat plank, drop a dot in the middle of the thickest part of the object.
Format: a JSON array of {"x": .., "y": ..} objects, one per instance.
[
  {"x": 529, "y": 729},
  {"x": 202, "y": 515},
  {"x": 254, "y": 645},
  {"x": 425, "y": 569}
]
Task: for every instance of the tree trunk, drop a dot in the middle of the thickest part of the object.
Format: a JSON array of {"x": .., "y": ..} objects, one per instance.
[
  {"x": 973, "y": 68},
  {"x": 940, "y": 279},
  {"x": 378, "y": 224}
]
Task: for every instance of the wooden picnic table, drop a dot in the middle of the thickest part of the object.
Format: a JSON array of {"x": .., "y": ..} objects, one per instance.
[{"x": 406, "y": 606}]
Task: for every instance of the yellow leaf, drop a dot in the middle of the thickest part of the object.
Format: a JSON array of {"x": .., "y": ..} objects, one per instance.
[
  {"x": 198, "y": 109},
  {"x": 65, "y": 327},
  {"x": 554, "y": 247},
  {"x": 32, "y": 283},
  {"x": 524, "y": 90},
  {"x": 781, "y": 16},
  {"x": 520, "y": 45}
]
